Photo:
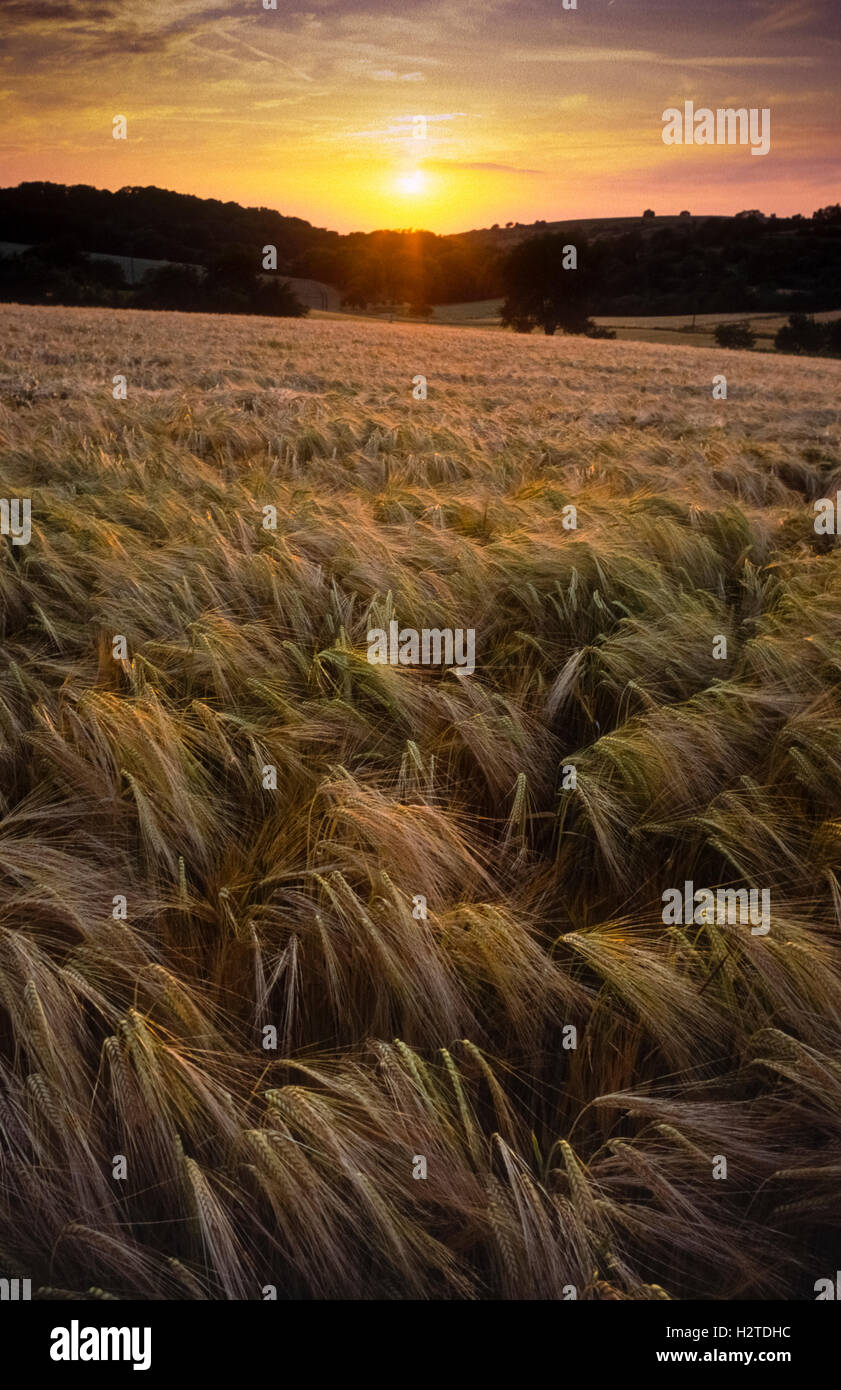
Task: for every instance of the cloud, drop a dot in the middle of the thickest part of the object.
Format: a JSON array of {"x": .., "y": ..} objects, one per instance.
[
  {"x": 445, "y": 164},
  {"x": 640, "y": 56},
  {"x": 110, "y": 28},
  {"x": 403, "y": 131},
  {"x": 807, "y": 15},
  {"x": 22, "y": 14},
  {"x": 160, "y": 38},
  {"x": 389, "y": 75},
  {"x": 263, "y": 56}
]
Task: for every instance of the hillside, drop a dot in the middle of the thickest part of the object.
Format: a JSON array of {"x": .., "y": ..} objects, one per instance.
[
  {"x": 640, "y": 267},
  {"x": 278, "y": 923},
  {"x": 502, "y": 238},
  {"x": 158, "y": 224}
]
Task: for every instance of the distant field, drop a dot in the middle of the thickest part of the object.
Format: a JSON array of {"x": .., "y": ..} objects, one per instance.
[
  {"x": 324, "y": 301},
  {"x": 670, "y": 329},
  {"x": 678, "y": 328},
  {"x": 277, "y": 924}
]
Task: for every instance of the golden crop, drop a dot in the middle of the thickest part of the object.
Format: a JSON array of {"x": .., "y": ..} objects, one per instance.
[{"x": 549, "y": 1167}]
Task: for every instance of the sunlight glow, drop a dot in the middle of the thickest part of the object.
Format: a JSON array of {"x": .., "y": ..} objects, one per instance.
[{"x": 411, "y": 184}]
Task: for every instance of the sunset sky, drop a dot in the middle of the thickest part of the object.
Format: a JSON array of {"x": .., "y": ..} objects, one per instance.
[{"x": 532, "y": 111}]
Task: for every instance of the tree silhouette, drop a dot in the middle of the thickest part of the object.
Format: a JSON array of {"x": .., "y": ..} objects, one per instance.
[
  {"x": 735, "y": 335},
  {"x": 541, "y": 292},
  {"x": 806, "y": 337}
]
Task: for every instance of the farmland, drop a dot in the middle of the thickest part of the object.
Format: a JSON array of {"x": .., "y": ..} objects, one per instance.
[
  {"x": 669, "y": 330},
  {"x": 228, "y": 985}
]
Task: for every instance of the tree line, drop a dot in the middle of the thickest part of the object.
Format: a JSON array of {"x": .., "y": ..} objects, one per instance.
[
  {"x": 58, "y": 271},
  {"x": 802, "y": 334},
  {"x": 744, "y": 264}
]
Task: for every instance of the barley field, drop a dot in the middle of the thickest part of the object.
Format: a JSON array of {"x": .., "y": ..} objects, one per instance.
[{"x": 570, "y": 1069}]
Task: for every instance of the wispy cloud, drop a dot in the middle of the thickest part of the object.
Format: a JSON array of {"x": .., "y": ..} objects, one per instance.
[
  {"x": 802, "y": 15},
  {"x": 639, "y": 57},
  {"x": 402, "y": 130},
  {"x": 18, "y": 14},
  {"x": 480, "y": 165},
  {"x": 389, "y": 75},
  {"x": 263, "y": 56}
]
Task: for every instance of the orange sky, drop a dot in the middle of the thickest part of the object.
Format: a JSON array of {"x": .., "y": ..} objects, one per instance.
[{"x": 531, "y": 110}]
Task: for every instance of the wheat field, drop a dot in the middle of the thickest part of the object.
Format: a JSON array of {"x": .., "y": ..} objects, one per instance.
[{"x": 153, "y": 1145}]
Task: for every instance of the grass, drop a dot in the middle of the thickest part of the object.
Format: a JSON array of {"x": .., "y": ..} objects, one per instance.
[
  {"x": 550, "y": 1168},
  {"x": 674, "y": 330}
]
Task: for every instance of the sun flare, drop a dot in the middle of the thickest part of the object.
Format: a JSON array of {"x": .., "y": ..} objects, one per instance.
[{"x": 411, "y": 184}]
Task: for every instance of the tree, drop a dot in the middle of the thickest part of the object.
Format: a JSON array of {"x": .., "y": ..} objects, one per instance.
[
  {"x": 63, "y": 252},
  {"x": 801, "y": 335},
  {"x": 173, "y": 287},
  {"x": 828, "y": 215},
  {"x": 541, "y": 292},
  {"x": 57, "y": 272},
  {"x": 649, "y": 212},
  {"x": 735, "y": 335},
  {"x": 833, "y": 338},
  {"x": 355, "y": 298},
  {"x": 234, "y": 268},
  {"x": 278, "y": 298},
  {"x": 599, "y": 330}
]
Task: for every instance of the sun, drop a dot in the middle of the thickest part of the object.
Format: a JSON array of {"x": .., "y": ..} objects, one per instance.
[{"x": 411, "y": 184}]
